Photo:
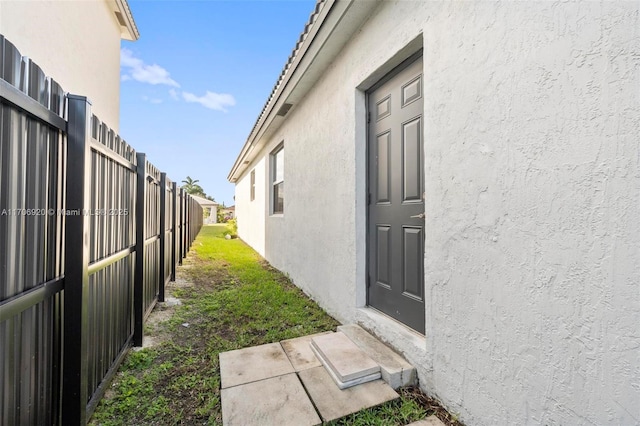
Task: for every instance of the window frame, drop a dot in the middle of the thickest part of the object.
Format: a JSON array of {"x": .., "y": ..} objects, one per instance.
[
  {"x": 275, "y": 183},
  {"x": 252, "y": 180}
]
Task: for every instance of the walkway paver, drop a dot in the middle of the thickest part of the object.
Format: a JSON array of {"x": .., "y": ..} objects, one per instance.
[
  {"x": 396, "y": 371},
  {"x": 253, "y": 364},
  {"x": 333, "y": 402},
  {"x": 278, "y": 401},
  {"x": 263, "y": 385},
  {"x": 299, "y": 352},
  {"x": 346, "y": 362}
]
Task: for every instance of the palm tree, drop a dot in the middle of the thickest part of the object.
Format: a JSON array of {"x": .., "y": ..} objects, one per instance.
[
  {"x": 191, "y": 186},
  {"x": 188, "y": 183}
]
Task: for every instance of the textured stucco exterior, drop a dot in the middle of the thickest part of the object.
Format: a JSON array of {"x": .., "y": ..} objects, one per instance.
[
  {"x": 77, "y": 43},
  {"x": 251, "y": 225},
  {"x": 532, "y": 177}
]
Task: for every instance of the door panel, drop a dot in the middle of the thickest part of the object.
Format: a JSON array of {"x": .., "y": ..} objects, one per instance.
[
  {"x": 413, "y": 264},
  {"x": 411, "y": 160},
  {"x": 396, "y": 187},
  {"x": 383, "y": 248},
  {"x": 383, "y": 109},
  {"x": 384, "y": 168}
]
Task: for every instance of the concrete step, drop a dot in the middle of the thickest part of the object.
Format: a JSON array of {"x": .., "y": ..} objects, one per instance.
[
  {"x": 395, "y": 370},
  {"x": 345, "y": 362}
]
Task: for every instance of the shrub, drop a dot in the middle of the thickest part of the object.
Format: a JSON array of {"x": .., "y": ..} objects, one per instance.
[{"x": 232, "y": 226}]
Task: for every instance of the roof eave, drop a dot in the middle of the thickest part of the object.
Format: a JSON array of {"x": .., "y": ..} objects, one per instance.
[
  {"x": 294, "y": 81},
  {"x": 126, "y": 21},
  {"x": 315, "y": 22}
]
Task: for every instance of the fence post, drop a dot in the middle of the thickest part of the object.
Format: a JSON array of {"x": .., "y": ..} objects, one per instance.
[
  {"x": 163, "y": 235},
  {"x": 174, "y": 187},
  {"x": 76, "y": 281},
  {"x": 141, "y": 215}
]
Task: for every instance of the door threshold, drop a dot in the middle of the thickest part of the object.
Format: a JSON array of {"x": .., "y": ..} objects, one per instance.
[{"x": 391, "y": 331}]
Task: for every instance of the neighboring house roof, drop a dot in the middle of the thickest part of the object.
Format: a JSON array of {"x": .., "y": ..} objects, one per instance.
[
  {"x": 330, "y": 26},
  {"x": 204, "y": 202},
  {"x": 125, "y": 19}
]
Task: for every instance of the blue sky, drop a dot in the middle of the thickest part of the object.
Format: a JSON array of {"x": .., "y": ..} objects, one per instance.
[{"x": 194, "y": 83}]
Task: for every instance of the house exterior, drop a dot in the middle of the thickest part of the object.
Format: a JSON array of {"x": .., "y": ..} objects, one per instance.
[
  {"x": 76, "y": 43},
  {"x": 209, "y": 205},
  {"x": 462, "y": 179},
  {"x": 228, "y": 212}
]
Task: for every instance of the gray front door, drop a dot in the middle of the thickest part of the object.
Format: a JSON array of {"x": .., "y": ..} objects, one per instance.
[{"x": 396, "y": 196}]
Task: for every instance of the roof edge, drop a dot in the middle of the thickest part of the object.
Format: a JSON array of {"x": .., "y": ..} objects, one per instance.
[
  {"x": 129, "y": 23},
  {"x": 203, "y": 201},
  {"x": 320, "y": 12}
]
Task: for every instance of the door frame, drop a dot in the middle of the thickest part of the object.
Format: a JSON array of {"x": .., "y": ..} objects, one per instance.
[{"x": 416, "y": 55}]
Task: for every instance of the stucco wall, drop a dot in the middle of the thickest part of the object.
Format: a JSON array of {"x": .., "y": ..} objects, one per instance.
[
  {"x": 250, "y": 215},
  {"x": 77, "y": 43},
  {"x": 534, "y": 178},
  {"x": 532, "y": 252}
]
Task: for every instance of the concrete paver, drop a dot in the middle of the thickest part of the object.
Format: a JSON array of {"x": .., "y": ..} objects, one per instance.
[
  {"x": 396, "y": 371},
  {"x": 252, "y": 364},
  {"x": 299, "y": 352},
  {"x": 344, "y": 384},
  {"x": 263, "y": 385},
  {"x": 278, "y": 401},
  {"x": 343, "y": 357},
  {"x": 333, "y": 402}
]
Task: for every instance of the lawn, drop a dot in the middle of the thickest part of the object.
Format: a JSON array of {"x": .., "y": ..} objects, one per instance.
[{"x": 231, "y": 298}]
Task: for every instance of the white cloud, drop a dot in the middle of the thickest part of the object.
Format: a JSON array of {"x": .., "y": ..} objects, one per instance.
[
  {"x": 137, "y": 70},
  {"x": 134, "y": 68},
  {"x": 152, "y": 100},
  {"x": 211, "y": 100}
]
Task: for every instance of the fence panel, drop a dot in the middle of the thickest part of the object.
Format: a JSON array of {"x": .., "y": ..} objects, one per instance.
[
  {"x": 175, "y": 231},
  {"x": 32, "y": 173},
  {"x": 152, "y": 271},
  {"x": 112, "y": 243},
  {"x": 166, "y": 236},
  {"x": 90, "y": 232},
  {"x": 195, "y": 220},
  {"x": 180, "y": 225}
]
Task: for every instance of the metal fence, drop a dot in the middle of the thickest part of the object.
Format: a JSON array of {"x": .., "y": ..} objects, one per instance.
[{"x": 90, "y": 233}]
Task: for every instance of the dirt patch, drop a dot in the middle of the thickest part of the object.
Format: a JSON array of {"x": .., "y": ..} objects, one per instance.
[
  {"x": 155, "y": 328},
  {"x": 430, "y": 405},
  {"x": 180, "y": 282}
]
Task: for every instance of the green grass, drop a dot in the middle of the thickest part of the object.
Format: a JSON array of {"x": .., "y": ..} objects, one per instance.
[{"x": 231, "y": 298}]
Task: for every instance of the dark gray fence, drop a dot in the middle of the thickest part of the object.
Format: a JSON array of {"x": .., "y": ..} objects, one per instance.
[{"x": 90, "y": 233}]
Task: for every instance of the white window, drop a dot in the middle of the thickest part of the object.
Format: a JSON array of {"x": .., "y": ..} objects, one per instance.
[
  {"x": 277, "y": 180},
  {"x": 253, "y": 185}
]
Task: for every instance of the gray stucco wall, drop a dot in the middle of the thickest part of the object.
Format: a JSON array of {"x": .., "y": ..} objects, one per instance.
[{"x": 532, "y": 262}]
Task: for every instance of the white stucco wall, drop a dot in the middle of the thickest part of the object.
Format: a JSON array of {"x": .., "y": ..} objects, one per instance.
[
  {"x": 532, "y": 253},
  {"x": 77, "y": 43},
  {"x": 250, "y": 215},
  {"x": 540, "y": 244}
]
